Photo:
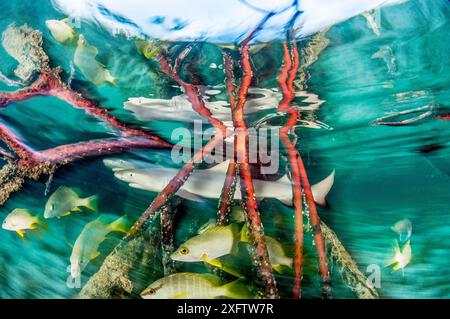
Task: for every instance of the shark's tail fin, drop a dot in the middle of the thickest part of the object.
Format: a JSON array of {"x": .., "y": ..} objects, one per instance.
[{"x": 244, "y": 234}]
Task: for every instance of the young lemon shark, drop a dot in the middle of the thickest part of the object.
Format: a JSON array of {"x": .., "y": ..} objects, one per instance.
[{"x": 208, "y": 183}]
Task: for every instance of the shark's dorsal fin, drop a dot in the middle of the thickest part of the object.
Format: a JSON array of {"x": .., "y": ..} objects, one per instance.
[{"x": 222, "y": 167}]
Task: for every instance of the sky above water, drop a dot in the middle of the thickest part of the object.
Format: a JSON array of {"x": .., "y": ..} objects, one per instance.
[{"x": 216, "y": 21}]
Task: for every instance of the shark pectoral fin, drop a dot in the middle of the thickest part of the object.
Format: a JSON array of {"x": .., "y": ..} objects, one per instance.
[
  {"x": 322, "y": 188},
  {"x": 21, "y": 233},
  {"x": 189, "y": 196}
]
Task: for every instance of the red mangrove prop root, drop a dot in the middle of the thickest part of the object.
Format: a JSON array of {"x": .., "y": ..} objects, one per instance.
[
  {"x": 285, "y": 80},
  {"x": 183, "y": 174},
  {"x": 260, "y": 256},
  {"x": 299, "y": 177},
  {"x": 227, "y": 195}
]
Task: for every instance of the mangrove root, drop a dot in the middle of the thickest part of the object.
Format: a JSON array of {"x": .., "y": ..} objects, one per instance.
[
  {"x": 350, "y": 272},
  {"x": 25, "y": 45}
]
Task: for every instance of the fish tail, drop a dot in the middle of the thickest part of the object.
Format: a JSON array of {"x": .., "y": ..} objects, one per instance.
[
  {"x": 41, "y": 223},
  {"x": 391, "y": 262},
  {"x": 278, "y": 268},
  {"x": 109, "y": 78},
  {"x": 244, "y": 234},
  {"x": 121, "y": 225},
  {"x": 91, "y": 203},
  {"x": 237, "y": 289}
]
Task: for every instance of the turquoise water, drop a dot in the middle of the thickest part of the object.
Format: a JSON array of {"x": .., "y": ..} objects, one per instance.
[{"x": 381, "y": 174}]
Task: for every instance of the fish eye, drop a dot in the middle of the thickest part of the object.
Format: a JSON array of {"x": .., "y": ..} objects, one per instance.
[
  {"x": 184, "y": 250},
  {"x": 151, "y": 291}
]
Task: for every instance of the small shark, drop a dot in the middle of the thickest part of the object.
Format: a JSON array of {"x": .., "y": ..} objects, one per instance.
[{"x": 208, "y": 183}]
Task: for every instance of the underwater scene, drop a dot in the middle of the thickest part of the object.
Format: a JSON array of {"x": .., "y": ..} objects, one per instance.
[{"x": 225, "y": 149}]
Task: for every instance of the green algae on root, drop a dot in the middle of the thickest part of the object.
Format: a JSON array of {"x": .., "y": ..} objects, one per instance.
[{"x": 25, "y": 46}]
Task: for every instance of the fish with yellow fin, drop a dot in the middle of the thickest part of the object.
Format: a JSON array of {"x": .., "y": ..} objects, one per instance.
[
  {"x": 61, "y": 30},
  {"x": 213, "y": 242},
  {"x": 147, "y": 48},
  {"x": 66, "y": 200},
  {"x": 85, "y": 60},
  {"x": 277, "y": 254},
  {"x": 195, "y": 286},
  {"x": 93, "y": 234},
  {"x": 21, "y": 219},
  {"x": 401, "y": 257},
  {"x": 403, "y": 228}
]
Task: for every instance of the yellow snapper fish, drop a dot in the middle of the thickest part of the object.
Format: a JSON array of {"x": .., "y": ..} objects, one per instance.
[
  {"x": 66, "y": 200},
  {"x": 211, "y": 243},
  {"x": 60, "y": 30},
  {"x": 217, "y": 241},
  {"x": 85, "y": 60},
  {"x": 403, "y": 228},
  {"x": 21, "y": 219},
  {"x": 277, "y": 255},
  {"x": 401, "y": 258},
  {"x": 194, "y": 286},
  {"x": 93, "y": 234},
  {"x": 147, "y": 48}
]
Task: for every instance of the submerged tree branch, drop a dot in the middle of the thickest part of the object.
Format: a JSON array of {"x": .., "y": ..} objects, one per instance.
[
  {"x": 25, "y": 45},
  {"x": 286, "y": 79},
  {"x": 350, "y": 272},
  {"x": 259, "y": 252}
]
